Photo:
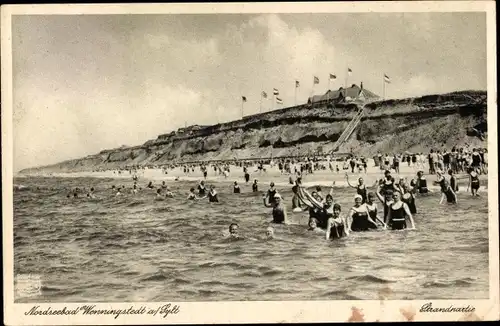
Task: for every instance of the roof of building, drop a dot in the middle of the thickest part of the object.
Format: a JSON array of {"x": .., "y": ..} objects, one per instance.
[{"x": 351, "y": 93}]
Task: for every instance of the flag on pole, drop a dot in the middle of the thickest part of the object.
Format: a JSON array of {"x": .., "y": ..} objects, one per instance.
[
  {"x": 349, "y": 71},
  {"x": 333, "y": 76},
  {"x": 275, "y": 91},
  {"x": 297, "y": 84},
  {"x": 316, "y": 80},
  {"x": 387, "y": 79},
  {"x": 279, "y": 101},
  {"x": 264, "y": 94},
  {"x": 243, "y": 98}
]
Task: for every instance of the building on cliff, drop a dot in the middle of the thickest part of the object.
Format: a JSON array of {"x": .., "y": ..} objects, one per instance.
[{"x": 354, "y": 93}]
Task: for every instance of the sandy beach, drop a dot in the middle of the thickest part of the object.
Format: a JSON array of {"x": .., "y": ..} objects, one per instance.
[{"x": 324, "y": 178}]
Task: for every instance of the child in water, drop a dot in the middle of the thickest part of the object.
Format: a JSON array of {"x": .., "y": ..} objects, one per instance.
[
  {"x": 313, "y": 226},
  {"x": 336, "y": 225},
  {"x": 269, "y": 233}
]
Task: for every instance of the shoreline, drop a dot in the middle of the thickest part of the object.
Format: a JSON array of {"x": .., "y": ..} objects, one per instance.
[{"x": 324, "y": 178}]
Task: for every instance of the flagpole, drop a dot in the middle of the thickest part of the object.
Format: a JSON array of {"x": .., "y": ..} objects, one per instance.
[
  {"x": 328, "y": 90},
  {"x": 312, "y": 90},
  {"x": 295, "y": 95},
  {"x": 383, "y": 81}
]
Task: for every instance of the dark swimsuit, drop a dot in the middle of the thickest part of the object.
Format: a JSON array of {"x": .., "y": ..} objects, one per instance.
[
  {"x": 278, "y": 215},
  {"x": 446, "y": 189},
  {"x": 337, "y": 232},
  {"x": 237, "y": 190},
  {"x": 398, "y": 218},
  {"x": 411, "y": 203},
  {"x": 271, "y": 194},
  {"x": 201, "y": 190},
  {"x": 372, "y": 213},
  {"x": 362, "y": 193},
  {"x": 422, "y": 186},
  {"x": 453, "y": 183},
  {"x": 476, "y": 160},
  {"x": 213, "y": 198},
  {"x": 360, "y": 222},
  {"x": 474, "y": 183}
]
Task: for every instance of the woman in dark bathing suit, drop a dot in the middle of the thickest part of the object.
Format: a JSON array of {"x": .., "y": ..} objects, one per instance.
[
  {"x": 336, "y": 225},
  {"x": 212, "y": 195},
  {"x": 407, "y": 195},
  {"x": 446, "y": 190},
  {"x": 373, "y": 209},
  {"x": 473, "y": 182},
  {"x": 398, "y": 213},
  {"x": 360, "y": 188},
  {"x": 359, "y": 217},
  {"x": 421, "y": 183}
]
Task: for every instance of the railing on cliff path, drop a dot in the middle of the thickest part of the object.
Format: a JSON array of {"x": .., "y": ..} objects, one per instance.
[{"x": 349, "y": 129}]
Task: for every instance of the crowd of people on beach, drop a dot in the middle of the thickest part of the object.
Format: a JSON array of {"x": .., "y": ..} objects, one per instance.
[{"x": 398, "y": 198}]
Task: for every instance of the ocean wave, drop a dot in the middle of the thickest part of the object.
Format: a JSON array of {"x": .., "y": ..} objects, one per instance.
[
  {"x": 157, "y": 276},
  {"x": 461, "y": 282},
  {"x": 370, "y": 279}
]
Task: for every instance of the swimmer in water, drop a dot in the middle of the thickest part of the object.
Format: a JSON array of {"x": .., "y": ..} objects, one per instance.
[
  {"x": 212, "y": 195},
  {"x": 134, "y": 188},
  {"x": 359, "y": 217},
  {"x": 255, "y": 186},
  {"x": 270, "y": 233},
  {"x": 398, "y": 213},
  {"x": 453, "y": 181},
  {"x": 474, "y": 182},
  {"x": 313, "y": 226},
  {"x": 360, "y": 187},
  {"x": 236, "y": 188},
  {"x": 168, "y": 193},
  {"x": 118, "y": 193},
  {"x": 163, "y": 185},
  {"x": 202, "y": 190},
  {"x": 446, "y": 190},
  {"x": 336, "y": 225},
  {"x": 159, "y": 196},
  {"x": 371, "y": 205},
  {"x": 192, "y": 195},
  {"x": 421, "y": 183},
  {"x": 233, "y": 231},
  {"x": 295, "y": 200},
  {"x": 407, "y": 194},
  {"x": 279, "y": 209},
  {"x": 271, "y": 192},
  {"x": 91, "y": 194}
]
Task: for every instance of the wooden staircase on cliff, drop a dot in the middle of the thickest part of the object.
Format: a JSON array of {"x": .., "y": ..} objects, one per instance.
[{"x": 349, "y": 129}]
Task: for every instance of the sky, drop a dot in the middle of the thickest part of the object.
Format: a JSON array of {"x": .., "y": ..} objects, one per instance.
[{"x": 91, "y": 82}]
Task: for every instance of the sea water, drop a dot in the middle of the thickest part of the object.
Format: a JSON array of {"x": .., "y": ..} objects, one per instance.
[{"x": 136, "y": 248}]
